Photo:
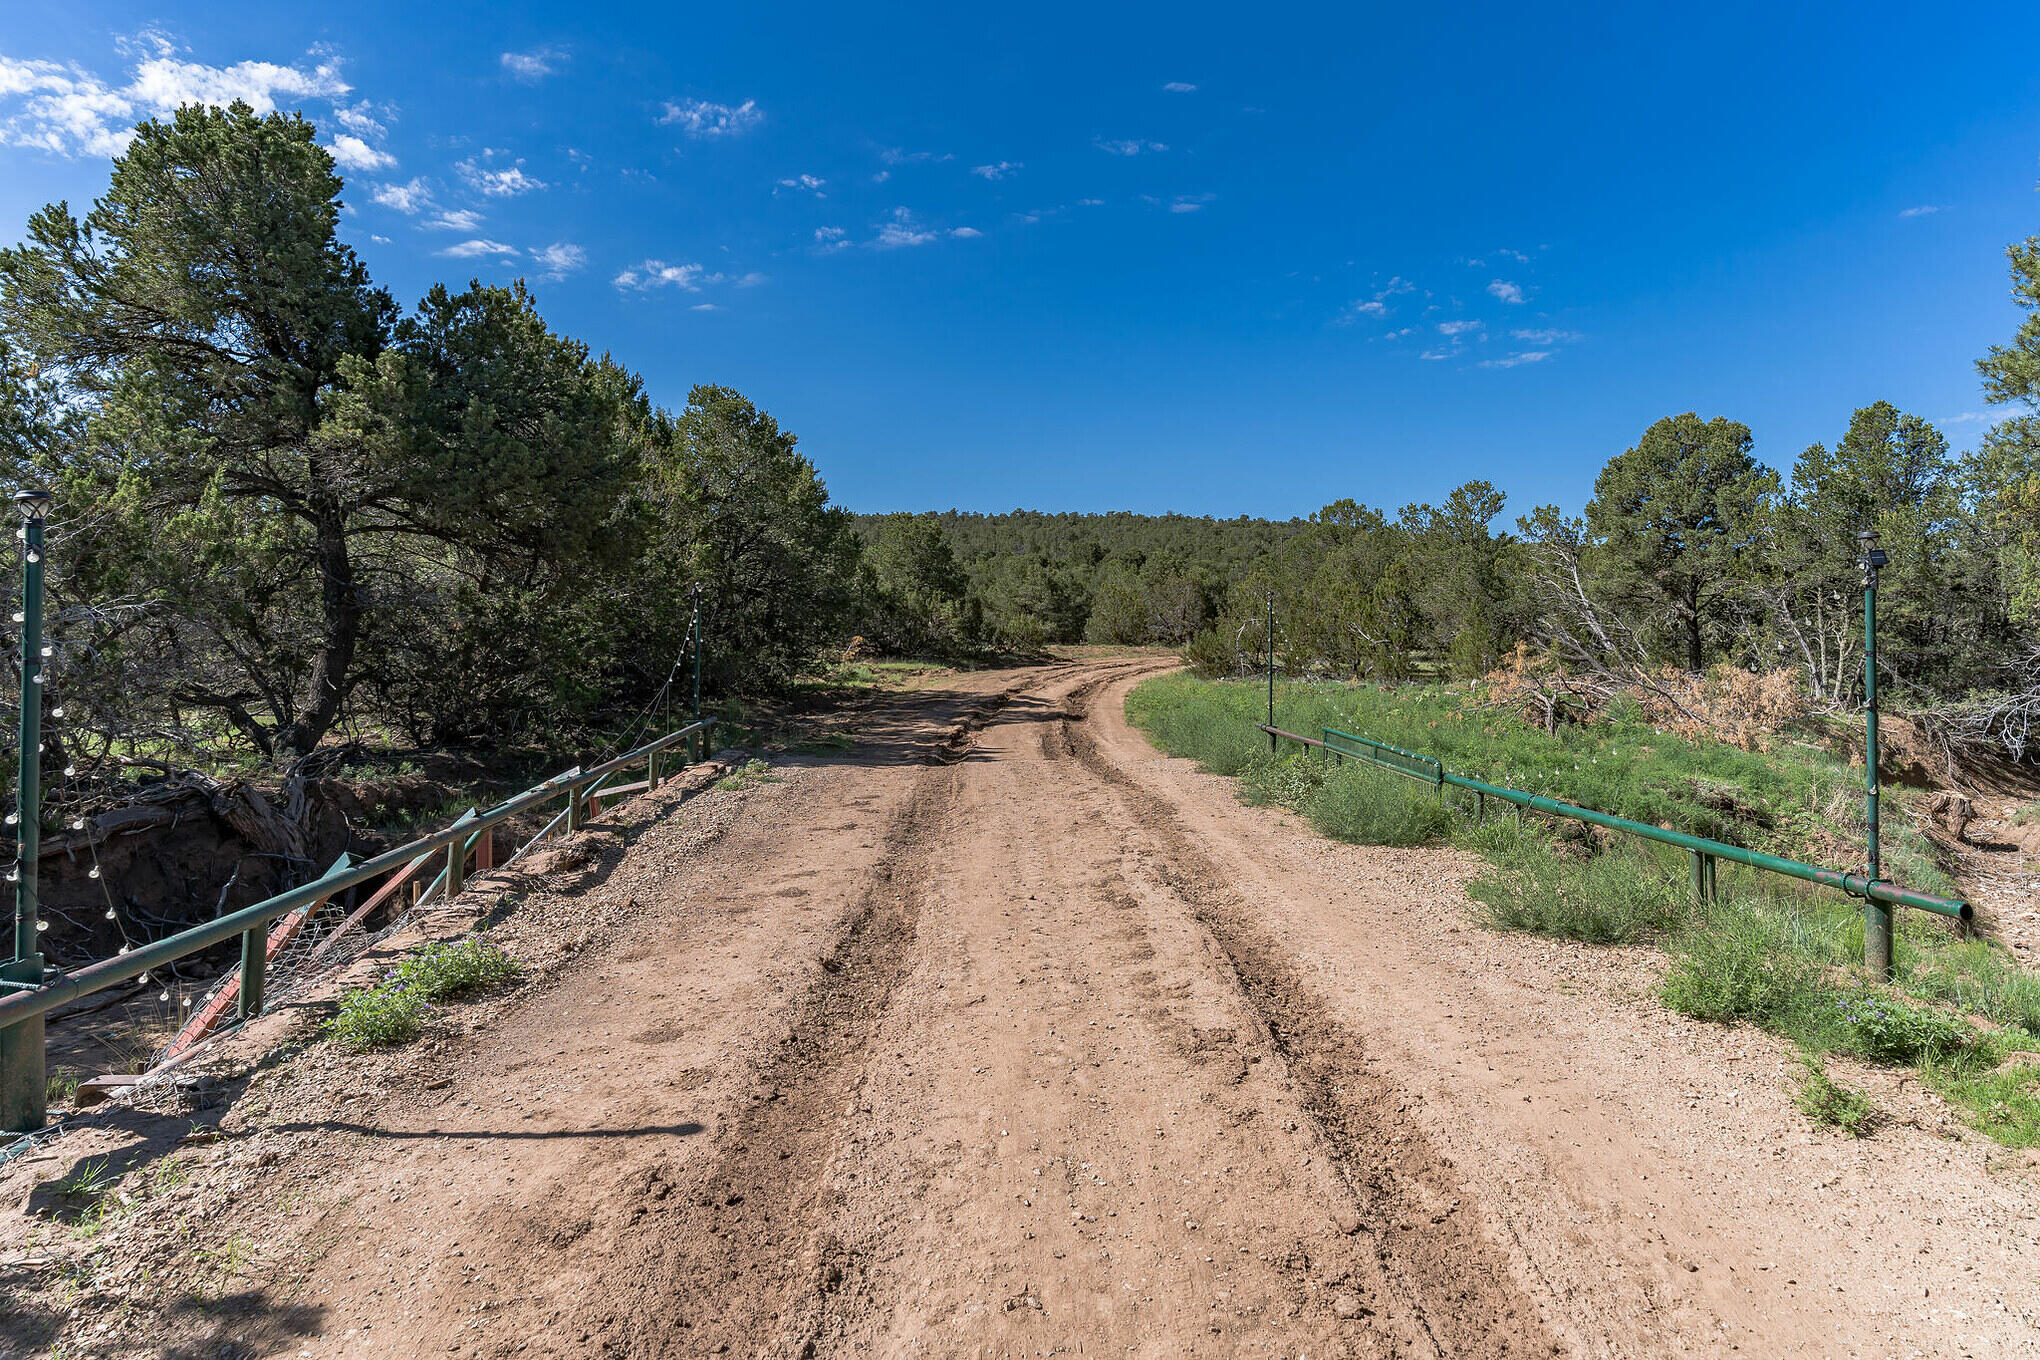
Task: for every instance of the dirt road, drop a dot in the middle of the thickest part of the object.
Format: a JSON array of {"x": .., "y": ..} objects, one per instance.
[{"x": 1002, "y": 1035}]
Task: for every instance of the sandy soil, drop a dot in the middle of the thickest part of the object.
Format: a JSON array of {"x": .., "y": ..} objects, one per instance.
[{"x": 1002, "y": 1035}]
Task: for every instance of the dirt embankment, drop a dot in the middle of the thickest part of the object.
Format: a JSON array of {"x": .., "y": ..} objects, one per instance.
[{"x": 1000, "y": 1034}]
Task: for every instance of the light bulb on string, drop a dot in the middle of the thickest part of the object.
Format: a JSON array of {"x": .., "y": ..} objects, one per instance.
[
  {"x": 70, "y": 770},
  {"x": 94, "y": 873},
  {"x": 162, "y": 996},
  {"x": 78, "y": 824},
  {"x": 12, "y": 819},
  {"x": 41, "y": 926},
  {"x": 56, "y": 713},
  {"x": 35, "y": 557},
  {"x": 49, "y": 651},
  {"x": 110, "y": 915},
  {"x": 20, "y": 617}
]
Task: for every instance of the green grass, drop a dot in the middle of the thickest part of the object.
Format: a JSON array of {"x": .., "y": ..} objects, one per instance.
[
  {"x": 393, "y": 1012},
  {"x": 1771, "y": 951},
  {"x": 1830, "y": 1104},
  {"x": 1794, "y": 800},
  {"x": 751, "y": 772}
]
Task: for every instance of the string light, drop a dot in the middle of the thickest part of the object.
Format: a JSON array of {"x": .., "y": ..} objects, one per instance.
[
  {"x": 95, "y": 874},
  {"x": 110, "y": 915}
]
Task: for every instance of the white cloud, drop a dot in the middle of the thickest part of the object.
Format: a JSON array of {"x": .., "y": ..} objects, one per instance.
[
  {"x": 658, "y": 274},
  {"x": 1371, "y": 307},
  {"x": 455, "y": 219},
  {"x": 67, "y": 111},
  {"x": 831, "y": 238},
  {"x": 705, "y": 121},
  {"x": 1967, "y": 418},
  {"x": 1920, "y": 211},
  {"x": 1128, "y": 146},
  {"x": 349, "y": 152},
  {"x": 405, "y": 198},
  {"x": 1180, "y": 87},
  {"x": 1190, "y": 203},
  {"x": 1546, "y": 336},
  {"x": 1378, "y": 305},
  {"x": 1090, "y": 202},
  {"x": 1002, "y": 170},
  {"x": 358, "y": 119},
  {"x": 893, "y": 155},
  {"x": 1397, "y": 335},
  {"x": 1506, "y": 291},
  {"x": 506, "y": 182},
  {"x": 1457, "y": 327},
  {"x": 966, "y": 233},
  {"x": 468, "y": 250},
  {"x": 560, "y": 259},
  {"x": 812, "y": 183},
  {"x": 531, "y": 66},
  {"x": 1439, "y": 353},
  {"x": 704, "y": 307},
  {"x": 902, "y": 231},
  {"x": 881, "y": 177},
  {"x": 1518, "y": 256},
  {"x": 1533, "y": 356}
]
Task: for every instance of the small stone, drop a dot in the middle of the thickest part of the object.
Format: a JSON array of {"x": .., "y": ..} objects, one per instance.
[
  {"x": 1346, "y": 1220},
  {"x": 1346, "y": 1304}
]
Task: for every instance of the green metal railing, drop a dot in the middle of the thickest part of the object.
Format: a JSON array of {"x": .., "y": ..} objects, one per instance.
[
  {"x": 24, "y": 1003},
  {"x": 1704, "y": 852}
]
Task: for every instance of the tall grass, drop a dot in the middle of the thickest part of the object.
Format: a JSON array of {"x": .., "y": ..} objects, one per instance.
[{"x": 1771, "y": 952}]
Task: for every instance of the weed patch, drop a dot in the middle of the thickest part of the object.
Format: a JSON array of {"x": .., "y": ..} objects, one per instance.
[
  {"x": 393, "y": 1012},
  {"x": 1830, "y": 1104}
]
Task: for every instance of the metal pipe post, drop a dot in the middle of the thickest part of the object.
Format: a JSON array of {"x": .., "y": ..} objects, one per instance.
[
  {"x": 1877, "y": 934},
  {"x": 23, "y": 1096},
  {"x": 698, "y": 743},
  {"x": 1271, "y": 670}
]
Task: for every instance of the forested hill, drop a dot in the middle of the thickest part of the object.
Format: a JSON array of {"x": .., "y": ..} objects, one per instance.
[{"x": 1035, "y": 577}]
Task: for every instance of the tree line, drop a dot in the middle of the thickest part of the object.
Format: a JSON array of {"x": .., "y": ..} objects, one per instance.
[{"x": 288, "y": 507}]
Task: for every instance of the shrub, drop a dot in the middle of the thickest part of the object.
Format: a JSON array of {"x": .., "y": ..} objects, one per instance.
[
  {"x": 1881, "y": 1028},
  {"x": 1745, "y": 961},
  {"x": 1830, "y": 1104},
  {"x": 1609, "y": 898},
  {"x": 393, "y": 1012},
  {"x": 444, "y": 972},
  {"x": 377, "y": 1017},
  {"x": 1369, "y": 807}
]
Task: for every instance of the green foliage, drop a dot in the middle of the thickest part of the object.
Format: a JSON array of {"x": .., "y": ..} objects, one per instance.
[
  {"x": 746, "y": 775},
  {"x": 448, "y": 972},
  {"x": 1830, "y": 1104},
  {"x": 377, "y": 1017},
  {"x": 1747, "y": 961},
  {"x": 914, "y": 596},
  {"x": 1677, "y": 515},
  {"x": 1616, "y": 897},
  {"x": 393, "y": 1012}
]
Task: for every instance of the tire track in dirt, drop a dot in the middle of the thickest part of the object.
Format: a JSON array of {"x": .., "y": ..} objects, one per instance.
[
  {"x": 1426, "y": 1234},
  {"x": 746, "y": 1262}
]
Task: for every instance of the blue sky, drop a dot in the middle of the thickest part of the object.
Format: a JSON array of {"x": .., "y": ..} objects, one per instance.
[{"x": 1200, "y": 259}]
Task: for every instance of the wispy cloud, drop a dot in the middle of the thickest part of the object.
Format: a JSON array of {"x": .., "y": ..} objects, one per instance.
[
  {"x": 67, "y": 111},
  {"x": 689, "y": 278},
  {"x": 1458, "y": 327},
  {"x": 1532, "y": 356},
  {"x": 1001, "y": 170},
  {"x": 534, "y": 66},
  {"x": 1518, "y": 256},
  {"x": 1506, "y": 291},
  {"x": 469, "y": 250},
  {"x": 812, "y": 183},
  {"x": 350, "y": 152},
  {"x": 903, "y": 230},
  {"x": 705, "y": 120},
  {"x": 831, "y": 238},
  {"x": 455, "y": 219},
  {"x": 659, "y": 274},
  {"x": 966, "y": 233},
  {"x": 1190, "y": 203},
  {"x": 1968, "y": 418},
  {"x": 896, "y": 155},
  {"x": 1546, "y": 336},
  {"x": 405, "y": 198},
  {"x": 1180, "y": 87},
  {"x": 1127, "y": 146},
  {"x": 1377, "y": 305},
  {"x": 1920, "y": 210},
  {"x": 560, "y": 259},
  {"x": 505, "y": 181}
]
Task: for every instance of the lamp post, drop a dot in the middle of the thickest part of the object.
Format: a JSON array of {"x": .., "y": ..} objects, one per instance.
[
  {"x": 23, "y": 1104},
  {"x": 1877, "y": 957}
]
